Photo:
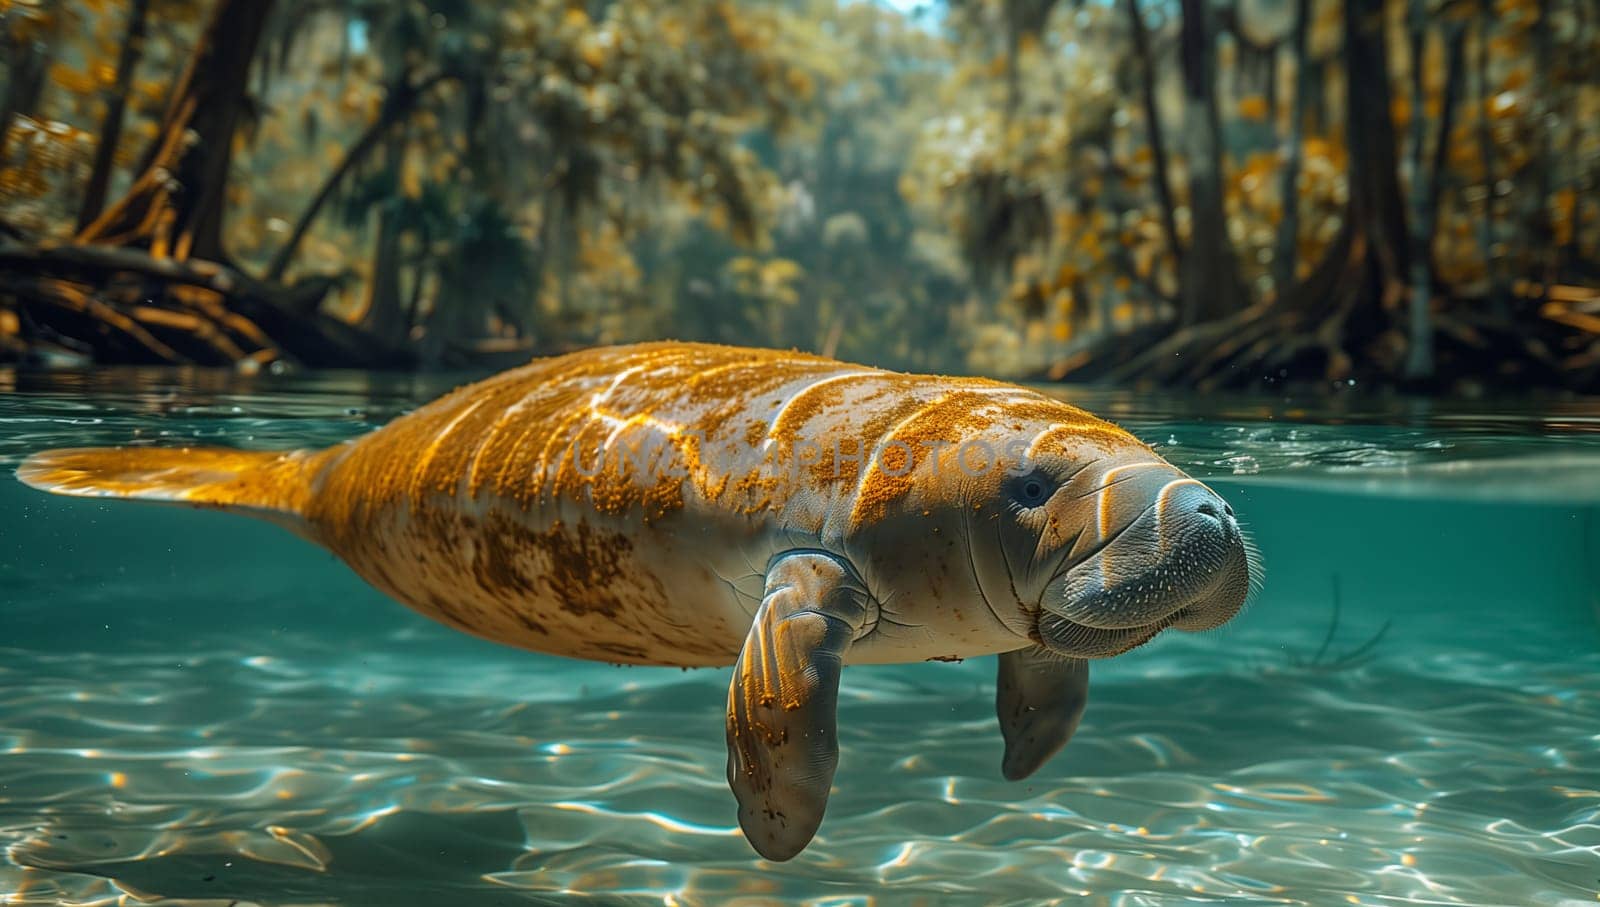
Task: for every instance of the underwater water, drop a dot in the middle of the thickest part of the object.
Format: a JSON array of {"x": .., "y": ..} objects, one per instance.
[{"x": 201, "y": 709}]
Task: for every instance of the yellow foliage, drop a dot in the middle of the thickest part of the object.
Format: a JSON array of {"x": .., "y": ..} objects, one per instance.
[
  {"x": 781, "y": 270},
  {"x": 1504, "y": 105},
  {"x": 411, "y": 177},
  {"x": 800, "y": 82},
  {"x": 1144, "y": 259},
  {"x": 1563, "y": 205},
  {"x": 1324, "y": 150},
  {"x": 594, "y": 50},
  {"x": 72, "y": 80},
  {"x": 1400, "y": 110},
  {"x": 1253, "y": 108},
  {"x": 1508, "y": 45}
]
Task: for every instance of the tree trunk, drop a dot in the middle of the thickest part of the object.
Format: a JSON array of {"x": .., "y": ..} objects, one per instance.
[
  {"x": 1023, "y": 18},
  {"x": 1210, "y": 287},
  {"x": 25, "y": 74},
  {"x": 1568, "y": 256},
  {"x": 177, "y": 199},
  {"x": 1455, "y": 66},
  {"x": 1419, "y": 352},
  {"x": 1488, "y": 229},
  {"x": 384, "y": 317},
  {"x": 1154, "y": 134},
  {"x": 1284, "y": 255},
  {"x": 94, "y": 194},
  {"x": 1316, "y": 113},
  {"x": 1376, "y": 205},
  {"x": 1540, "y": 241}
]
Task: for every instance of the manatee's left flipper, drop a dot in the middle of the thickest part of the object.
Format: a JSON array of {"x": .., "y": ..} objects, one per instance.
[
  {"x": 782, "y": 743},
  {"x": 1040, "y": 702}
]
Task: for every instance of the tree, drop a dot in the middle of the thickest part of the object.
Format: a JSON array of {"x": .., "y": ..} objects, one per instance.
[
  {"x": 94, "y": 193},
  {"x": 176, "y": 203},
  {"x": 542, "y": 112}
]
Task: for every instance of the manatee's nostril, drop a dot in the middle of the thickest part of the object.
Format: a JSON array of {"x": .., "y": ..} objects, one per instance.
[{"x": 1187, "y": 503}]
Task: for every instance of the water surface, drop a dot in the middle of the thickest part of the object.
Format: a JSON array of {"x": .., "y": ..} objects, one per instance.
[{"x": 197, "y": 708}]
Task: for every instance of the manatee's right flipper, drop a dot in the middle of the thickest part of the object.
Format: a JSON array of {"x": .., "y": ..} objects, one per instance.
[
  {"x": 1040, "y": 702},
  {"x": 782, "y": 743}
]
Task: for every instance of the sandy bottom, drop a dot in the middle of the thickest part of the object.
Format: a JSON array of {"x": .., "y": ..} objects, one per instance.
[{"x": 418, "y": 769}]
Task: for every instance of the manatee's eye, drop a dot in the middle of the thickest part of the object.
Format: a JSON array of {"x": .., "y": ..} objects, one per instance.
[{"x": 1031, "y": 490}]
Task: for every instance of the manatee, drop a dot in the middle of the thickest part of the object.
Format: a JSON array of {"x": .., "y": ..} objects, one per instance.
[{"x": 698, "y": 505}]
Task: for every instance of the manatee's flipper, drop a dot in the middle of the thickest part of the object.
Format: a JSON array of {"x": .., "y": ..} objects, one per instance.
[
  {"x": 273, "y": 485},
  {"x": 1040, "y": 702},
  {"x": 782, "y": 743}
]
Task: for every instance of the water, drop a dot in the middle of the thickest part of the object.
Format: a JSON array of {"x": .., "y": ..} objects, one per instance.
[{"x": 201, "y": 709}]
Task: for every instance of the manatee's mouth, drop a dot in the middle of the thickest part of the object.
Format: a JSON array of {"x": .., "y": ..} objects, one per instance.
[
  {"x": 1081, "y": 640},
  {"x": 1130, "y": 590},
  {"x": 1061, "y": 635}
]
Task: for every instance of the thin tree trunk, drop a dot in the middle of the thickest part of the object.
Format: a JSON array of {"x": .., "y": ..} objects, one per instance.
[
  {"x": 414, "y": 302},
  {"x": 1569, "y": 254},
  {"x": 1273, "y": 89},
  {"x": 385, "y": 315},
  {"x": 1455, "y": 67},
  {"x": 105, "y": 154},
  {"x": 1153, "y": 132},
  {"x": 1541, "y": 243},
  {"x": 1419, "y": 351},
  {"x": 402, "y": 100},
  {"x": 1013, "y": 72},
  {"x": 1209, "y": 280},
  {"x": 1316, "y": 115},
  {"x": 1023, "y": 18},
  {"x": 1488, "y": 229},
  {"x": 1284, "y": 256},
  {"x": 542, "y": 258}
]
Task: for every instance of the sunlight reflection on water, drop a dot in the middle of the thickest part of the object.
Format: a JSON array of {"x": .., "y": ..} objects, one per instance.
[{"x": 189, "y": 726}]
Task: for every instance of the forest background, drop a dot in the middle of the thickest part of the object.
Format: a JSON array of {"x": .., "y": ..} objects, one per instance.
[{"x": 1239, "y": 193}]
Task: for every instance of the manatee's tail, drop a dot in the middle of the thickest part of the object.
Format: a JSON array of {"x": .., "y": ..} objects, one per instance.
[{"x": 272, "y": 485}]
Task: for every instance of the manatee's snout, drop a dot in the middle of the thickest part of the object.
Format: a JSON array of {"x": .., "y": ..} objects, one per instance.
[{"x": 1168, "y": 552}]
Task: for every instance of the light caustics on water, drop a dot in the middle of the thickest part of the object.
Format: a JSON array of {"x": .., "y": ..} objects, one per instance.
[{"x": 202, "y": 710}]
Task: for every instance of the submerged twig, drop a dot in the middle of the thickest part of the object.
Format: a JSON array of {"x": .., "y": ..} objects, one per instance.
[{"x": 1320, "y": 662}]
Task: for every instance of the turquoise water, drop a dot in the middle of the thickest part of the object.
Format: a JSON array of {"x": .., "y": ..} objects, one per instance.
[{"x": 199, "y": 709}]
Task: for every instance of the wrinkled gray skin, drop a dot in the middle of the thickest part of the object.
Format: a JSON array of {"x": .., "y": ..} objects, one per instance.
[{"x": 1089, "y": 553}]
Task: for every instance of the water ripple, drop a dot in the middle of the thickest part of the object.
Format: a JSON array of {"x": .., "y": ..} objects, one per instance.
[{"x": 263, "y": 774}]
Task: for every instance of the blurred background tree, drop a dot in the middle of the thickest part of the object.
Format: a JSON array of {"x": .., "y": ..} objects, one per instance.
[{"x": 1232, "y": 193}]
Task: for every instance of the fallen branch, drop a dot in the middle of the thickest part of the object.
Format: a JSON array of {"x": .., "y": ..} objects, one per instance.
[{"x": 194, "y": 310}]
